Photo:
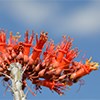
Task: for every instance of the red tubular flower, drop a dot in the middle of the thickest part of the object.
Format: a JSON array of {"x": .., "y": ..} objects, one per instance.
[
  {"x": 49, "y": 56},
  {"x": 28, "y": 43},
  {"x": 72, "y": 54},
  {"x": 85, "y": 69},
  {"x": 69, "y": 57},
  {"x": 64, "y": 48},
  {"x": 53, "y": 86},
  {"x": 2, "y": 41},
  {"x": 39, "y": 45},
  {"x": 1, "y": 68},
  {"x": 66, "y": 61},
  {"x": 47, "y": 83},
  {"x": 49, "y": 50},
  {"x": 10, "y": 42}
]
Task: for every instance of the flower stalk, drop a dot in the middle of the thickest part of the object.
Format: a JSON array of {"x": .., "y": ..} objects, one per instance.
[{"x": 16, "y": 74}]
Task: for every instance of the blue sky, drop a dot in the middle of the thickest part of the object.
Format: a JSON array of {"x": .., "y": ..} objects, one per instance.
[{"x": 79, "y": 19}]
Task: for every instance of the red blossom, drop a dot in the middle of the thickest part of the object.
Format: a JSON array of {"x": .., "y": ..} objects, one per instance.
[{"x": 56, "y": 69}]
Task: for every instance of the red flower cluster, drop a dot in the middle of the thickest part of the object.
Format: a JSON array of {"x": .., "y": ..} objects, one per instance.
[{"x": 55, "y": 69}]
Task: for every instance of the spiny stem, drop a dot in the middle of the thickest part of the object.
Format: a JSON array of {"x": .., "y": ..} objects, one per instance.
[{"x": 16, "y": 72}]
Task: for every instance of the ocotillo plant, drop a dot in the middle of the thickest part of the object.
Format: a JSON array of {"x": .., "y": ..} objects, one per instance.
[{"x": 54, "y": 68}]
